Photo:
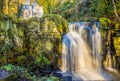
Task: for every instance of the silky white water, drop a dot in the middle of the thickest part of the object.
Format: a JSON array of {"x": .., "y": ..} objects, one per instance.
[{"x": 81, "y": 52}]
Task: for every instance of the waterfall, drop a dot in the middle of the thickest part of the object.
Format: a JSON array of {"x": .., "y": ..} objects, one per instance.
[{"x": 81, "y": 54}]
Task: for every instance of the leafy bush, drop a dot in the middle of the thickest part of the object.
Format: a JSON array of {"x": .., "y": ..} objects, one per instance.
[
  {"x": 41, "y": 60},
  {"x": 18, "y": 72}
]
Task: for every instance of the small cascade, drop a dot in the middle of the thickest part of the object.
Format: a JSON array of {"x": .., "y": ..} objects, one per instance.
[{"x": 81, "y": 55}]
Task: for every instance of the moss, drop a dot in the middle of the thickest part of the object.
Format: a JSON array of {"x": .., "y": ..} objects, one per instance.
[
  {"x": 32, "y": 36},
  {"x": 21, "y": 60},
  {"x": 117, "y": 26},
  {"x": 117, "y": 45}
]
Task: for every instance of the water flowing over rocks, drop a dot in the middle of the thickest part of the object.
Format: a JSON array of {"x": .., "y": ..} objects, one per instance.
[{"x": 81, "y": 54}]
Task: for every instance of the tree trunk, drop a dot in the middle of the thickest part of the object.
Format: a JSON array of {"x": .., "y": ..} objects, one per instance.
[
  {"x": 1, "y": 5},
  {"x": 115, "y": 10}
]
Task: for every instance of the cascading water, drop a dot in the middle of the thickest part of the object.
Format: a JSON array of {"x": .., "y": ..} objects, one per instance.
[{"x": 81, "y": 52}]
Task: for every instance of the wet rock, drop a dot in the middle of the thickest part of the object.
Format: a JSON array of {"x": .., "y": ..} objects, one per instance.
[
  {"x": 67, "y": 78},
  {"x": 6, "y": 76},
  {"x": 63, "y": 76},
  {"x": 3, "y": 74},
  {"x": 46, "y": 71},
  {"x": 24, "y": 79},
  {"x": 57, "y": 74}
]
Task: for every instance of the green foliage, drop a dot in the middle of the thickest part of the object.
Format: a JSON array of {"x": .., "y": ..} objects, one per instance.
[
  {"x": 31, "y": 42},
  {"x": 48, "y": 5},
  {"x": 9, "y": 67},
  {"x": 50, "y": 79},
  {"x": 104, "y": 8},
  {"x": 21, "y": 60},
  {"x": 105, "y": 21},
  {"x": 41, "y": 60},
  {"x": 41, "y": 35},
  {"x": 105, "y": 25},
  {"x": 18, "y": 72}
]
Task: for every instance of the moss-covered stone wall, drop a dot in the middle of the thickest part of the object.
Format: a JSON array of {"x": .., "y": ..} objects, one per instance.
[{"x": 34, "y": 41}]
